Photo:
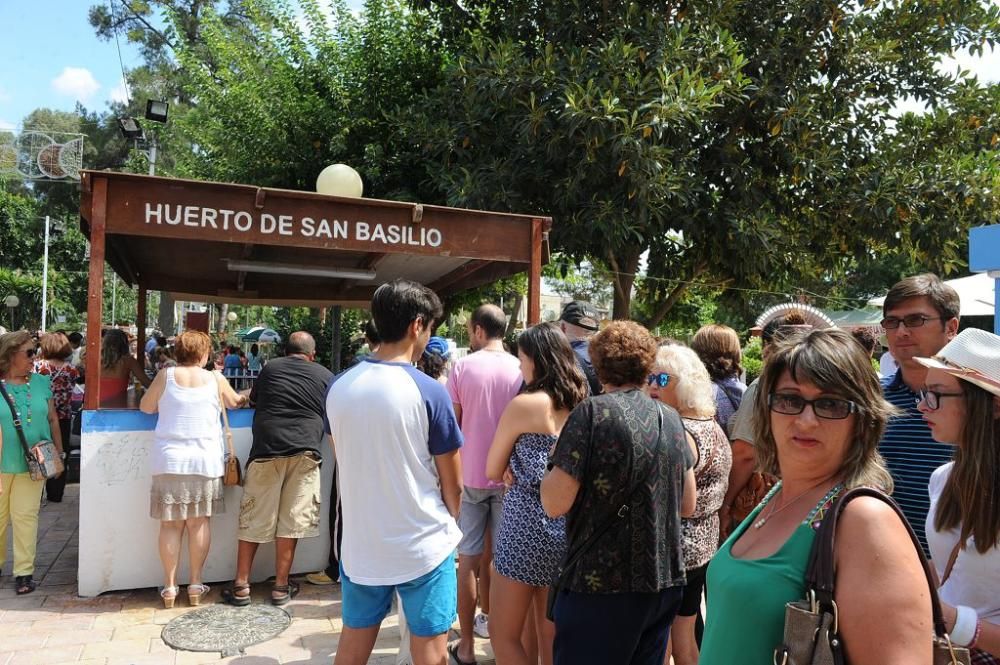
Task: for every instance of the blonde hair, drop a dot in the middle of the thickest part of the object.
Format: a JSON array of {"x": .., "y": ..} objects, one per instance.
[
  {"x": 693, "y": 385},
  {"x": 831, "y": 360}
]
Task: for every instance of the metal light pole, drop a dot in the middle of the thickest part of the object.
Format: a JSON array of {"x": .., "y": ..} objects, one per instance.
[{"x": 45, "y": 275}]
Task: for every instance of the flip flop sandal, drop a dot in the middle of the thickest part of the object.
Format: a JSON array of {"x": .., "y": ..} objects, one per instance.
[
  {"x": 25, "y": 584},
  {"x": 453, "y": 652},
  {"x": 230, "y": 597},
  {"x": 285, "y": 593}
]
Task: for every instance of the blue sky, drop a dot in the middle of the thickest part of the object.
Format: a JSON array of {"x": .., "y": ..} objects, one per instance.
[{"x": 51, "y": 58}]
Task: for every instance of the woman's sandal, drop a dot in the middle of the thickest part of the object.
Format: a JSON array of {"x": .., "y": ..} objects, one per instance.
[
  {"x": 169, "y": 595},
  {"x": 25, "y": 584},
  {"x": 231, "y": 597},
  {"x": 285, "y": 593},
  {"x": 195, "y": 592}
]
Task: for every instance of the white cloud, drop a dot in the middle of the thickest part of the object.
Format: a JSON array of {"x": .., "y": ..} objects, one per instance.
[
  {"x": 4, "y": 95},
  {"x": 5, "y": 125},
  {"x": 119, "y": 93},
  {"x": 76, "y": 82}
]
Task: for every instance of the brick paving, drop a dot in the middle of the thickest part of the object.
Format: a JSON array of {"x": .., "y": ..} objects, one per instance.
[{"x": 54, "y": 625}]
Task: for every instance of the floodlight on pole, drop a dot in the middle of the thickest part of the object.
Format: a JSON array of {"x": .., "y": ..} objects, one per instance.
[
  {"x": 156, "y": 110},
  {"x": 130, "y": 129},
  {"x": 274, "y": 268}
]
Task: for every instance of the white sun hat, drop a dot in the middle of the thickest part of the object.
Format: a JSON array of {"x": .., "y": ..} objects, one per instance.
[{"x": 973, "y": 356}]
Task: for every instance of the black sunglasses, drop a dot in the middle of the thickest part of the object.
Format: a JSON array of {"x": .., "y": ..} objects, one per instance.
[
  {"x": 829, "y": 408},
  {"x": 662, "y": 379},
  {"x": 31, "y": 353}
]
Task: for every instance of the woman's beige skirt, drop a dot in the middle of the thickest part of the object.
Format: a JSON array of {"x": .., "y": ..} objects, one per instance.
[{"x": 181, "y": 497}]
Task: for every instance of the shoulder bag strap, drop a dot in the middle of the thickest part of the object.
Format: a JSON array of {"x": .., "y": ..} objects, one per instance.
[
  {"x": 820, "y": 573},
  {"x": 225, "y": 417},
  {"x": 732, "y": 401},
  {"x": 17, "y": 421}
]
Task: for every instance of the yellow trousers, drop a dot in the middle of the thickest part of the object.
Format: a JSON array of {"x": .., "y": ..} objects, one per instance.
[{"x": 20, "y": 501}]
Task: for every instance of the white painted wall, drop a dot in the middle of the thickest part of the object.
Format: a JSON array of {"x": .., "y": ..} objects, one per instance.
[{"x": 118, "y": 538}]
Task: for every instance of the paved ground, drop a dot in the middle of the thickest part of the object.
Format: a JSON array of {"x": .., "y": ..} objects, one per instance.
[{"x": 54, "y": 625}]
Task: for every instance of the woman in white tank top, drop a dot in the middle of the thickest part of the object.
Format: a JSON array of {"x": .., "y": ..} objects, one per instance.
[{"x": 187, "y": 458}]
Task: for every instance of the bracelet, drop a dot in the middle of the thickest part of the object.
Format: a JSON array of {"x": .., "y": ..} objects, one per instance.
[
  {"x": 975, "y": 639},
  {"x": 964, "y": 631}
]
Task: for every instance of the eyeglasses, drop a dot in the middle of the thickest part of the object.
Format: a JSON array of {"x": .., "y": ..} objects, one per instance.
[
  {"x": 932, "y": 398},
  {"x": 911, "y": 321},
  {"x": 829, "y": 408},
  {"x": 662, "y": 379}
]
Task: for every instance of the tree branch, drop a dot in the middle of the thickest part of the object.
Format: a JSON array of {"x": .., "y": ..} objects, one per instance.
[{"x": 675, "y": 295}]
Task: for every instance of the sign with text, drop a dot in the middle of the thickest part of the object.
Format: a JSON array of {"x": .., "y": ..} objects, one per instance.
[{"x": 192, "y": 210}]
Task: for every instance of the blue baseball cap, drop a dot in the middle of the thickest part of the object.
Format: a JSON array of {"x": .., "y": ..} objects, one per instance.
[{"x": 439, "y": 346}]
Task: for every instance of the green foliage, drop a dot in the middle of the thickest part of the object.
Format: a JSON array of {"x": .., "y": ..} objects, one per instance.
[
  {"x": 745, "y": 144},
  {"x": 752, "y": 360}
]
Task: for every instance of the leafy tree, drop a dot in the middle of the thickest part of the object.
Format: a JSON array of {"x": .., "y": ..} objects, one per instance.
[{"x": 738, "y": 143}]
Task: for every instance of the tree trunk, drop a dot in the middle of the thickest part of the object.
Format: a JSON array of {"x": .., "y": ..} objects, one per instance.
[
  {"x": 624, "y": 266},
  {"x": 165, "y": 321},
  {"x": 220, "y": 325},
  {"x": 675, "y": 295},
  {"x": 512, "y": 317}
]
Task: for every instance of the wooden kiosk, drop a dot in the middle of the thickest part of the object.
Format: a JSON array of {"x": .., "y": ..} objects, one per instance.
[{"x": 243, "y": 244}]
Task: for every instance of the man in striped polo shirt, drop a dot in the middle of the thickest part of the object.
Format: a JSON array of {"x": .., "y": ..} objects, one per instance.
[{"x": 920, "y": 317}]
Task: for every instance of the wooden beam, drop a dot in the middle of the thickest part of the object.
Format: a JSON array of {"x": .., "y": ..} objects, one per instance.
[
  {"x": 241, "y": 277},
  {"x": 372, "y": 260},
  {"x": 140, "y": 324},
  {"x": 535, "y": 273},
  {"x": 95, "y": 292},
  {"x": 456, "y": 275}
]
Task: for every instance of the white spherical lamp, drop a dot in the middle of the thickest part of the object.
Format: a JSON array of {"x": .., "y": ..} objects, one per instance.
[
  {"x": 231, "y": 316},
  {"x": 339, "y": 180},
  {"x": 12, "y": 301}
]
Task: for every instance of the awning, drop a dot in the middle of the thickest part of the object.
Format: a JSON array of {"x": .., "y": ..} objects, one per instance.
[{"x": 975, "y": 291}]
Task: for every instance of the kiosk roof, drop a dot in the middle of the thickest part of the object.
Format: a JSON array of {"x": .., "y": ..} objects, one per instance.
[{"x": 244, "y": 244}]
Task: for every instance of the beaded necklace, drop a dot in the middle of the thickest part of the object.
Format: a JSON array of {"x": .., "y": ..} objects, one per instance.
[{"x": 13, "y": 397}]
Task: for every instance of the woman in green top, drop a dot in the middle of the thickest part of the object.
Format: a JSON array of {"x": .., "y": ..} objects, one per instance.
[
  {"x": 20, "y": 496},
  {"x": 821, "y": 416}
]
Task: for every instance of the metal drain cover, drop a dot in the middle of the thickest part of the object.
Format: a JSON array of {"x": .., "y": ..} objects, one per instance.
[{"x": 228, "y": 630}]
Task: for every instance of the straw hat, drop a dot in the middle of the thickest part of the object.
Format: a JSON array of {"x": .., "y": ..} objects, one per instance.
[{"x": 973, "y": 356}]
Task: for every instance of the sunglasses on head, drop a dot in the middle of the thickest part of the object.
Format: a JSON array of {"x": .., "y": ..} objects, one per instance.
[
  {"x": 661, "y": 379},
  {"x": 30, "y": 352}
]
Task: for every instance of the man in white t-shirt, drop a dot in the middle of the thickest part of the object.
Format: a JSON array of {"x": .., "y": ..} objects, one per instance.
[
  {"x": 397, "y": 440},
  {"x": 481, "y": 386}
]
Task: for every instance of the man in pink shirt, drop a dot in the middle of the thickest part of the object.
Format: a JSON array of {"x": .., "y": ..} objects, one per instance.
[{"x": 481, "y": 385}]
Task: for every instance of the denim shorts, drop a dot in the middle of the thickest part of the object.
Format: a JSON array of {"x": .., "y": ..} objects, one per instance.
[{"x": 429, "y": 601}]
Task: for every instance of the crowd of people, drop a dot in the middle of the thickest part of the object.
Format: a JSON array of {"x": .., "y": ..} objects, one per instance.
[{"x": 593, "y": 495}]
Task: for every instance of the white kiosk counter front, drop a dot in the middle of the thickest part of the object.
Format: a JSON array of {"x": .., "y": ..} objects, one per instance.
[{"x": 118, "y": 539}]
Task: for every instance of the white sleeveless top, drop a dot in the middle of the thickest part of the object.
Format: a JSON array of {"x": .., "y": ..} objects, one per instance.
[
  {"x": 188, "y": 438},
  {"x": 975, "y": 578}
]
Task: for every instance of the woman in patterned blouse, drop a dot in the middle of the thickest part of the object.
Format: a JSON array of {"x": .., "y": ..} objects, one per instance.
[
  {"x": 56, "y": 351},
  {"x": 680, "y": 380},
  {"x": 623, "y": 474}
]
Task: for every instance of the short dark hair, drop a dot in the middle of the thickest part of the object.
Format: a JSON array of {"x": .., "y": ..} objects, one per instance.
[
  {"x": 75, "y": 338},
  {"x": 771, "y": 327},
  {"x": 399, "y": 303},
  {"x": 491, "y": 319},
  {"x": 866, "y": 338},
  {"x": 623, "y": 353},
  {"x": 928, "y": 285},
  {"x": 371, "y": 333},
  {"x": 300, "y": 342}
]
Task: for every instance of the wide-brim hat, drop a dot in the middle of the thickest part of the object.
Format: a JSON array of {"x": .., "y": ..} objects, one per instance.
[{"x": 973, "y": 356}]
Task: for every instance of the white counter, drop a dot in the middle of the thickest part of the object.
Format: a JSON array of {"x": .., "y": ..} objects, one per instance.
[{"x": 118, "y": 539}]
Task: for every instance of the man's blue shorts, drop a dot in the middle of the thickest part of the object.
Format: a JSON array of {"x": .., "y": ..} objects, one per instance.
[{"x": 429, "y": 601}]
